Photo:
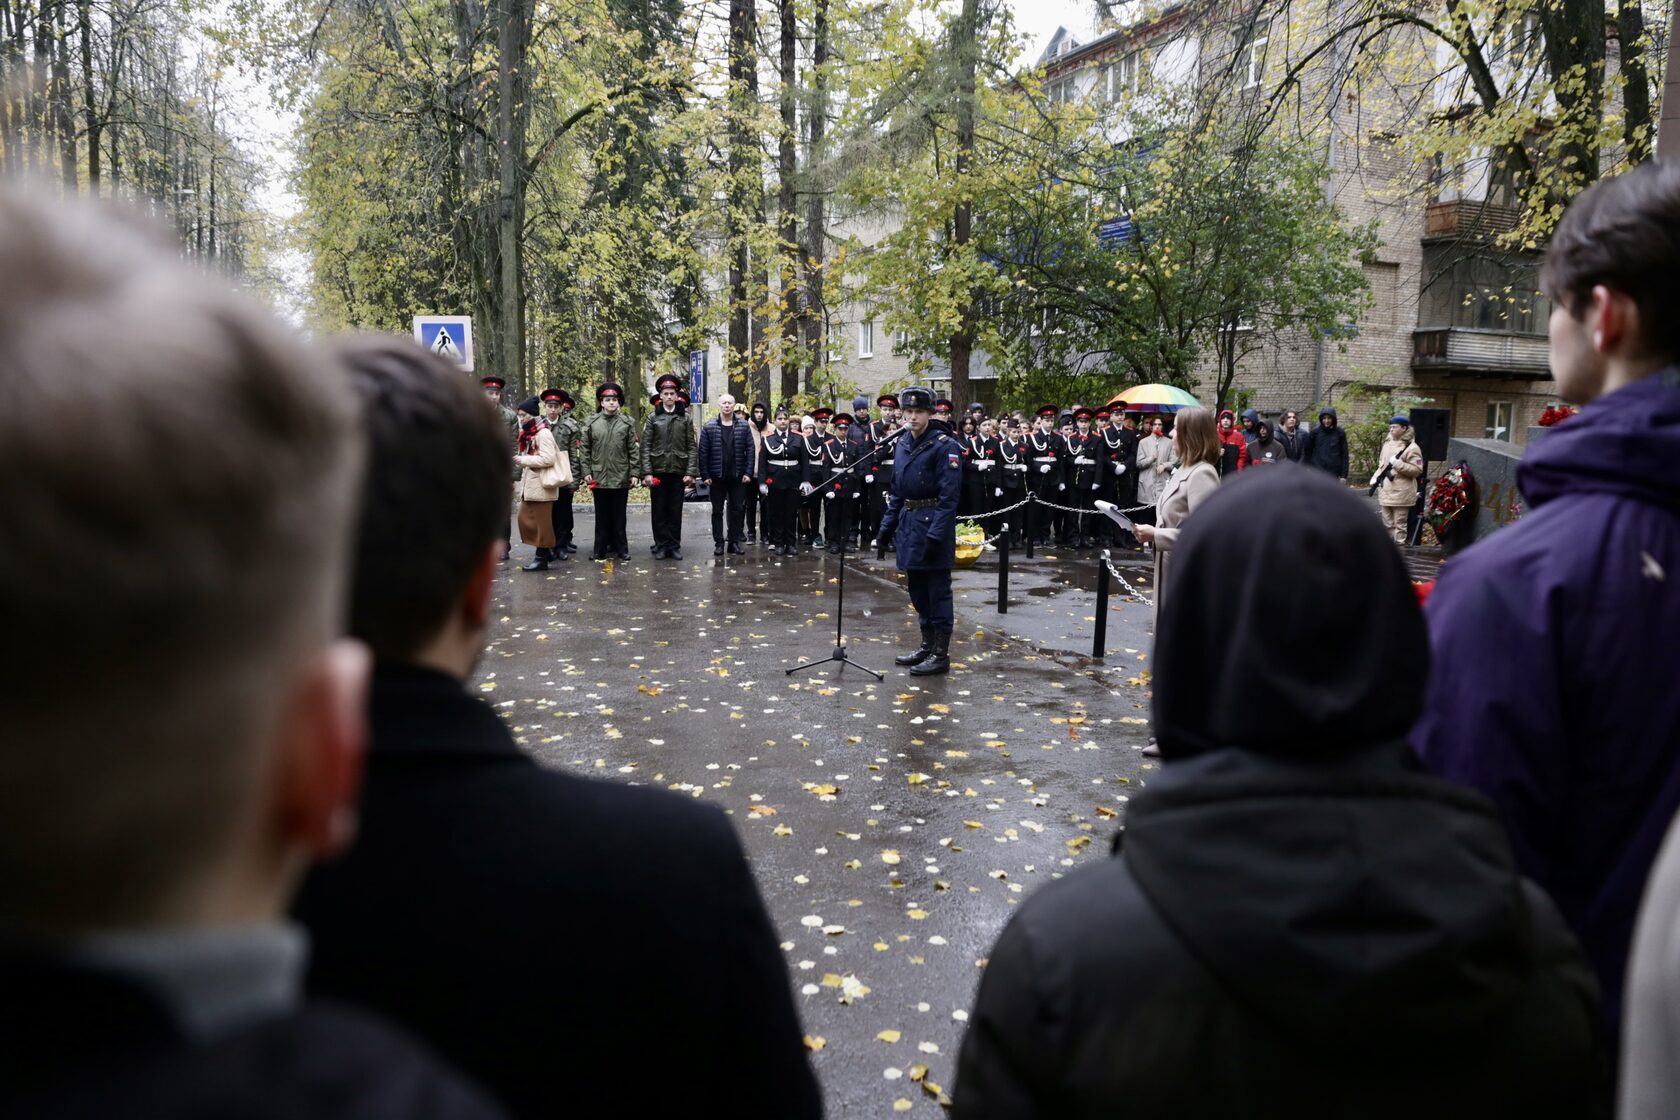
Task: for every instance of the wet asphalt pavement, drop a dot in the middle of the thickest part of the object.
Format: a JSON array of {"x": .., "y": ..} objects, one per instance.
[{"x": 892, "y": 826}]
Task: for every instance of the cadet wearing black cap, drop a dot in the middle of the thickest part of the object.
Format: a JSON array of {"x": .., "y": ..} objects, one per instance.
[
  {"x": 927, "y": 484},
  {"x": 782, "y": 470},
  {"x": 1084, "y": 476},
  {"x": 669, "y": 462},
  {"x": 879, "y": 475},
  {"x": 557, "y": 411},
  {"x": 1044, "y": 471}
]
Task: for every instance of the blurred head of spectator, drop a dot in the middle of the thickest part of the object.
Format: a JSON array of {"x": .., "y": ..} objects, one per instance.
[{"x": 228, "y": 752}]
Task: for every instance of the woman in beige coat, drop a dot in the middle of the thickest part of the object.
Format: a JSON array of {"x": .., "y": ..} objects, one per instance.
[
  {"x": 1154, "y": 466},
  {"x": 1195, "y": 444},
  {"x": 539, "y": 484}
]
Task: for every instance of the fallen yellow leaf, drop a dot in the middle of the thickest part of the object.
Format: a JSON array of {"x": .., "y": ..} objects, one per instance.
[
  {"x": 889, "y": 1036},
  {"x": 814, "y": 1043},
  {"x": 890, "y": 857},
  {"x": 902, "y": 1105}
]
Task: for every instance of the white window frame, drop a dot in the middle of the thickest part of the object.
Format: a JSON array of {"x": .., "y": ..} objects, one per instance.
[
  {"x": 1496, "y": 409},
  {"x": 901, "y": 342},
  {"x": 866, "y": 339},
  {"x": 1127, "y": 75},
  {"x": 1251, "y": 52}
]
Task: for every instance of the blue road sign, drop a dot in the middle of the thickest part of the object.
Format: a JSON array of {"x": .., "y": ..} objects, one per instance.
[
  {"x": 697, "y": 376},
  {"x": 448, "y": 336}
]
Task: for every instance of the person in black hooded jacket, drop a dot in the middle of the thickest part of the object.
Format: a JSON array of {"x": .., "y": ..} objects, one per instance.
[
  {"x": 1326, "y": 447},
  {"x": 1302, "y": 922}
]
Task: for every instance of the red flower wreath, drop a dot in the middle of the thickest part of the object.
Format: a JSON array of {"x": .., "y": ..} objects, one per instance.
[
  {"x": 1556, "y": 414},
  {"x": 1450, "y": 498}
]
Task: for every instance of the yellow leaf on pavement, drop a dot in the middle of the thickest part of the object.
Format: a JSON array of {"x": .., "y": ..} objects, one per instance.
[{"x": 889, "y": 1036}]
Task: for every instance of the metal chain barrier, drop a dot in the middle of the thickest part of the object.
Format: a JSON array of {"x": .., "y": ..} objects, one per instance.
[{"x": 1121, "y": 580}]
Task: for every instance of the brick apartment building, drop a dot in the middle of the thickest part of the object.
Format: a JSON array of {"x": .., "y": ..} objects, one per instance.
[{"x": 1452, "y": 317}]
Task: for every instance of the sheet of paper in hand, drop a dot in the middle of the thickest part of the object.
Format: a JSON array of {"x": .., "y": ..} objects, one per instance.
[{"x": 1112, "y": 511}]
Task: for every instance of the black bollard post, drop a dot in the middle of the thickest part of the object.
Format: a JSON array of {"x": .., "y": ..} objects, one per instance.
[
  {"x": 1003, "y": 569},
  {"x": 1031, "y": 498},
  {"x": 1101, "y": 640}
]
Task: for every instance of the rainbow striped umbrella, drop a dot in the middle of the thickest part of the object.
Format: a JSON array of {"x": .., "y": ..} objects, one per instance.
[{"x": 1153, "y": 398}]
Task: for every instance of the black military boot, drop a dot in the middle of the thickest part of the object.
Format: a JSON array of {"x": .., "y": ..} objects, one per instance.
[
  {"x": 940, "y": 661},
  {"x": 540, "y": 564},
  {"x": 920, "y": 654}
]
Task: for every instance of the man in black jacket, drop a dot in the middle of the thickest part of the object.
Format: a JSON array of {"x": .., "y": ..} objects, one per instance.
[
  {"x": 1302, "y": 921},
  {"x": 582, "y": 948},
  {"x": 146, "y": 858},
  {"x": 1325, "y": 447}
]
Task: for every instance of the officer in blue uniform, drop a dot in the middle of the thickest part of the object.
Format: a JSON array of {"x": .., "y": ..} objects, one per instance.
[{"x": 922, "y": 508}]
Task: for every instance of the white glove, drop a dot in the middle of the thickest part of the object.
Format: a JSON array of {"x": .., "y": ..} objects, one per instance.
[
  {"x": 763, "y": 488},
  {"x": 1044, "y": 468},
  {"x": 983, "y": 465},
  {"x": 828, "y": 495},
  {"x": 998, "y": 493},
  {"x": 1394, "y": 462},
  {"x": 1061, "y": 486},
  {"x": 869, "y": 478},
  {"x": 1093, "y": 486},
  {"x": 1119, "y": 468},
  {"x": 805, "y": 488}
]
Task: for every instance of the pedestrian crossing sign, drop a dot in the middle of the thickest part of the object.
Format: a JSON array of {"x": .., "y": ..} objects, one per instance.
[{"x": 448, "y": 336}]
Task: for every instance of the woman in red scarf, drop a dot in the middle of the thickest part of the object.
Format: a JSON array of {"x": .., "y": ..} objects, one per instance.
[{"x": 539, "y": 485}]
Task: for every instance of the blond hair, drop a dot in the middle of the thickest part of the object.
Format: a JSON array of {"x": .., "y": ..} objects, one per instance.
[
  {"x": 179, "y": 477},
  {"x": 1198, "y": 436}
]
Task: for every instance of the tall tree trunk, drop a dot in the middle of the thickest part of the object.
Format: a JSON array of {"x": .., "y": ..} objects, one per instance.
[
  {"x": 84, "y": 25},
  {"x": 510, "y": 141},
  {"x": 1637, "y": 126},
  {"x": 787, "y": 199},
  {"x": 1573, "y": 32},
  {"x": 744, "y": 183},
  {"x": 63, "y": 104},
  {"x": 815, "y": 315},
  {"x": 967, "y": 44}
]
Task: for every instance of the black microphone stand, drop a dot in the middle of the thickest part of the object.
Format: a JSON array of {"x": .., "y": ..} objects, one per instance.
[{"x": 839, "y": 654}]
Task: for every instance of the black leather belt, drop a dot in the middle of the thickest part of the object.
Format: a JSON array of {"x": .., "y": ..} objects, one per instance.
[{"x": 920, "y": 503}]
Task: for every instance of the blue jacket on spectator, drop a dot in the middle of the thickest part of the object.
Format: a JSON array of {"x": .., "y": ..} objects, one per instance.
[
  {"x": 1553, "y": 686},
  {"x": 711, "y": 448}
]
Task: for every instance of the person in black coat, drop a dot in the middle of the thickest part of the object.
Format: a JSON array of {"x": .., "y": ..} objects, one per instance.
[
  {"x": 582, "y": 948},
  {"x": 1301, "y": 922},
  {"x": 1326, "y": 447}
]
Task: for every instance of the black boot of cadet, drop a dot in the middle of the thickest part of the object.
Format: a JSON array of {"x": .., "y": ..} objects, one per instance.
[
  {"x": 940, "y": 661},
  {"x": 920, "y": 654}
]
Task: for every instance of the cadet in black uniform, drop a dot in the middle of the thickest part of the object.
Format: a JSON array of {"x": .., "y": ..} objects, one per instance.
[
  {"x": 927, "y": 482},
  {"x": 1044, "y": 471},
  {"x": 1122, "y": 444},
  {"x": 1083, "y": 477},
  {"x": 1011, "y": 469},
  {"x": 782, "y": 468},
  {"x": 882, "y": 430},
  {"x": 814, "y": 455}
]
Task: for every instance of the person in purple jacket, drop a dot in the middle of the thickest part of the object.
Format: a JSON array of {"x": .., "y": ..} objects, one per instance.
[{"x": 1555, "y": 687}]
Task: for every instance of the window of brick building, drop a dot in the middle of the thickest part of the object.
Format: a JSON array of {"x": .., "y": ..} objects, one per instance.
[{"x": 1499, "y": 417}]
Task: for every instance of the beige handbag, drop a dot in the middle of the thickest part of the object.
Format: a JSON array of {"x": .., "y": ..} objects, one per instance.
[{"x": 558, "y": 476}]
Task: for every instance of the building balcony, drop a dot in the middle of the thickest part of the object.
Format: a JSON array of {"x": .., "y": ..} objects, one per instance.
[
  {"x": 1468, "y": 219},
  {"x": 1469, "y": 352}
]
